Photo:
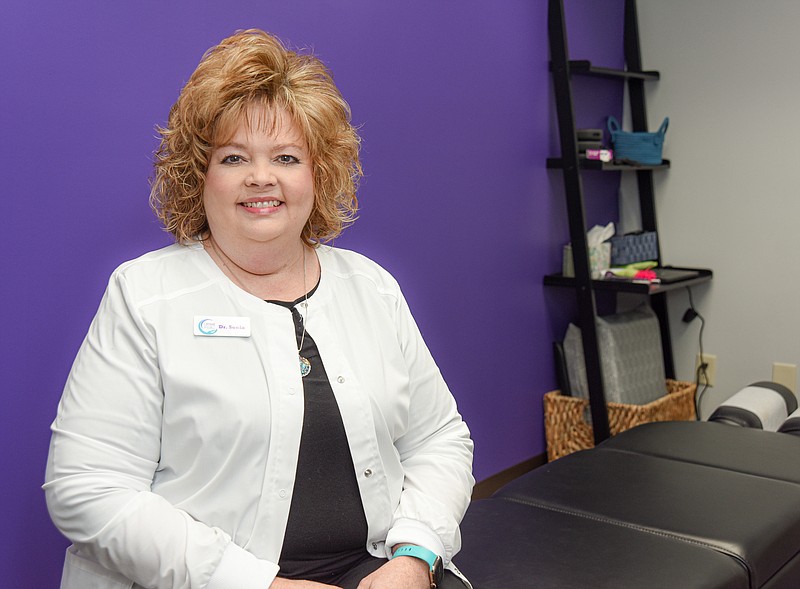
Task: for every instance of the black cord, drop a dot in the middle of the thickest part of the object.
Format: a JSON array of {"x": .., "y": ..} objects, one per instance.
[{"x": 703, "y": 365}]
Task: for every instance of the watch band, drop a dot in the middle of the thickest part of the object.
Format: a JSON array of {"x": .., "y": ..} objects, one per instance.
[{"x": 434, "y": 561}]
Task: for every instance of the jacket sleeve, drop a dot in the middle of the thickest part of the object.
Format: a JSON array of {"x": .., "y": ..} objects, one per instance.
[
  {"x": 104, "y": 451},
  {"x": 435, "y": 452}
]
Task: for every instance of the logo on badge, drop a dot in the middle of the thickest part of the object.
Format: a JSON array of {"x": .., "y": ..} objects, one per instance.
[{"x": 207, "y": 326}]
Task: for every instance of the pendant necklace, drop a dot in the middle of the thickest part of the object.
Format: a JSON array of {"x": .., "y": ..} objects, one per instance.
[{"x": 305, "y": 365}]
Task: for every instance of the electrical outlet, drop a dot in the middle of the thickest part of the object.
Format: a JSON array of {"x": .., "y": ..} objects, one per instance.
[
  {"x": 785, "y": 374},
  {"x": 710, "y": 376}
]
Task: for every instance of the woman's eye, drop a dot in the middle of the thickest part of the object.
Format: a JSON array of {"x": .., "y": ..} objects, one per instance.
[
  {"x": 287, "y": 159},
  {"x": 232, "y": 159}
]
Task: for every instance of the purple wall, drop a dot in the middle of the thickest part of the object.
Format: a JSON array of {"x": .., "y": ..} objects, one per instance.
[{"x": 456, "y": 111}]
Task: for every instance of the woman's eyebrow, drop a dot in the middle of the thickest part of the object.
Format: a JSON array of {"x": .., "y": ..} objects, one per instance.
[
  {"x": 278, "y": 147},
  {"x": 290, "y": 144},
  {"x": 230, "y": 145}
]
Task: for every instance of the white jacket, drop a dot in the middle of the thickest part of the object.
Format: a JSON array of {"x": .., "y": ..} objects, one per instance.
[{"x": 173, "y": 453}]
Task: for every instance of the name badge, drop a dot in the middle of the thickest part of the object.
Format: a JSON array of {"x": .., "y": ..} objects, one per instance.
[{"x": 214, "y": 326}]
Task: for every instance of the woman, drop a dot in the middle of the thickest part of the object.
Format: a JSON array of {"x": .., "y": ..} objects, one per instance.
[{"x": 252, "y": 409}]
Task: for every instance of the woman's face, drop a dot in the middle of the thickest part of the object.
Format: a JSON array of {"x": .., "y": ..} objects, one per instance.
[{"x": 259, "y": 186}]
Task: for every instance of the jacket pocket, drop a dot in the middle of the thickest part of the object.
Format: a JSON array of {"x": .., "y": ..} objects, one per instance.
[{"x": 83, "y": 573}]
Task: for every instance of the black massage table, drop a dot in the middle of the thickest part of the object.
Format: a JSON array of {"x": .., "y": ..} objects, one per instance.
[{"x": 664, "y": 505}]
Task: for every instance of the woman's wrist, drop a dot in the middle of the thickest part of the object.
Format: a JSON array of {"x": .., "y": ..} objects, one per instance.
[
  {"x": 429, "y": 562},
  {"x": 396, "y": 546}
]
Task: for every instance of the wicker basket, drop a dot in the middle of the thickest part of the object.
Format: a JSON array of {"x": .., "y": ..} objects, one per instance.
[{"x": 566, "y": 429}]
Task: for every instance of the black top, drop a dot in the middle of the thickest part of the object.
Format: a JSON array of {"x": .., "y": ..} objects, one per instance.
[{"x": 327, "y": 530}]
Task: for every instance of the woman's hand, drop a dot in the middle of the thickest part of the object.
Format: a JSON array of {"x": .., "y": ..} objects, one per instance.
[
  {"x": 399, "y": 573},
  {"x": 280, "y": 583}
]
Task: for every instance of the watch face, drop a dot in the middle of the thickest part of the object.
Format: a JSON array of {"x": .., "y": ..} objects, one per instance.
[{"x": 437, "y": 572}]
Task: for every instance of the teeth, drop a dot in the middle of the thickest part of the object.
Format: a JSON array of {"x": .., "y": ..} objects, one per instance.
[{"x": 261, "y": 204}]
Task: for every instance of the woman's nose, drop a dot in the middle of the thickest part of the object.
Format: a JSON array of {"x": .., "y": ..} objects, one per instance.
[{"x": 261, "y": 174}]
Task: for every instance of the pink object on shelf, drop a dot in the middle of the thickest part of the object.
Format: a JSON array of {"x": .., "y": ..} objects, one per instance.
[
  {"x": 645, "y": 275},
  {"x": 604, "y": 155}
]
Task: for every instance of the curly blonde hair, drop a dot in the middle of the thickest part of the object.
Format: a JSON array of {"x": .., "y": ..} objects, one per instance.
[{"x": 254, "y": 68}]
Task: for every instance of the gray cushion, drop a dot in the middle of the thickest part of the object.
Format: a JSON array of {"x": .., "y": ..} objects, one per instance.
[{"x": 631, "y": 357}]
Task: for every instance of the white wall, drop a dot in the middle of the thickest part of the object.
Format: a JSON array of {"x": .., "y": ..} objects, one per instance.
[{"x": 730, "y": 83}]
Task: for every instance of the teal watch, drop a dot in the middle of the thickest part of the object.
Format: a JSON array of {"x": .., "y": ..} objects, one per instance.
[{"x": 434, "y": 561}]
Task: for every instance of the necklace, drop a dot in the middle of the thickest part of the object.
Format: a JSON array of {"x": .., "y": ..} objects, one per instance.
[{"x": 305, "y": 365}]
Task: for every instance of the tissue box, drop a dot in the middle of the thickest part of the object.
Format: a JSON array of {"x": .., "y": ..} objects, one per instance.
[{"x": 599, "y": 260}]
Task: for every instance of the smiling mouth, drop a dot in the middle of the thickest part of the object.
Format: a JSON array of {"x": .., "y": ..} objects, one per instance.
[{"x": 261, "y": 204}]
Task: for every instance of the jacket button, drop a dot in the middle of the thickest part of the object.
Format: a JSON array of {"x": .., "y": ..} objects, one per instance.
[
  {"x": 374, "y": 545},
  {"x": 368, "y": 473}
]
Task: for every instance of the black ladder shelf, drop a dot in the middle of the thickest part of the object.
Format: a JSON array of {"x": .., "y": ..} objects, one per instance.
[{"x": 572, "y": 167}]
